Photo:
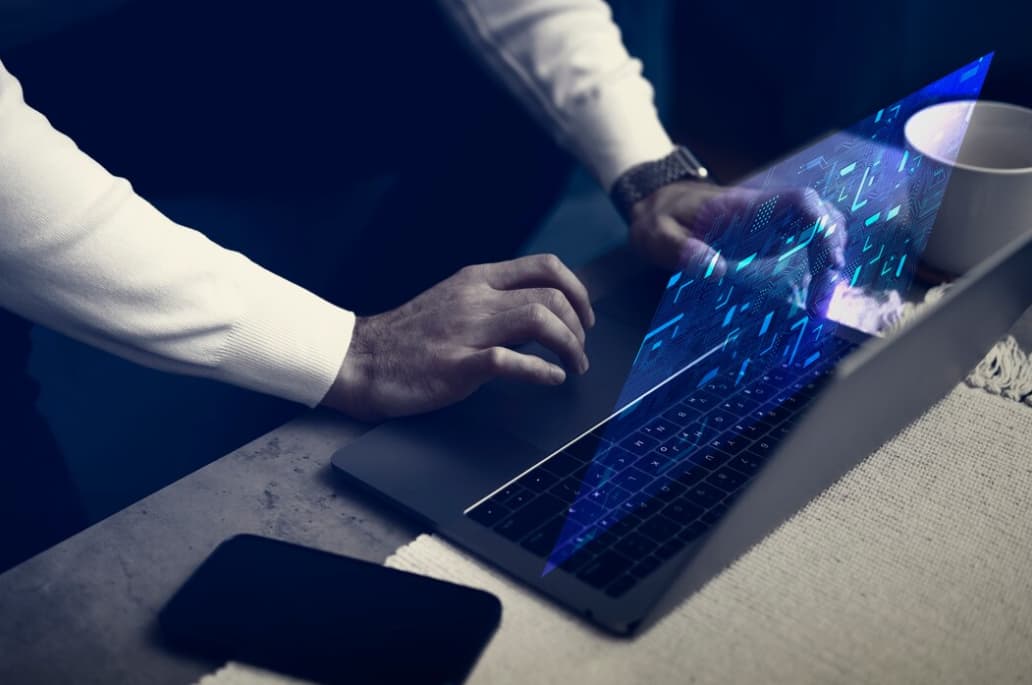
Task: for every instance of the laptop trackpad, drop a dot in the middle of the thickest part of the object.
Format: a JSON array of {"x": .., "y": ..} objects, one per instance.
[{"x": 549, "y": 417}]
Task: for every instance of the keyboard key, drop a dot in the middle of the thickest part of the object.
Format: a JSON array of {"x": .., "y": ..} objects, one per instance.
[
  {"x": 596, "y": 475},
  {"x": 568, "y": 490},
  {"x": 683, "y": 511},
  {"x": 638, "y": 443},
  {"x": 721, "y": 420},
  {"x": 585, "y": 511},
  {"x": 669, "y": 489},
  {"x": 745, "y": 463},
  {"x": 617, "y": 496},
  {"x": 739, "y": 405},
  {"x": 538, "y": 480},
  {"x": 781, "y": 432},
  {"x": 659, "y": 528},
  {"x": 700, "y": 401},
  {"x": 688, "y": 474},
  {"x": 794, "y": 403},
  {"x": 721, "y": 386},
  {"x": 601, "y": 542},
  {"x": 532, "y": 516},
  {"x": 692, "y": 531},
  {"x": 604, "y": 569},
  {"x": 488, "y": 513},
  {"x": 508, "y": 492},
  {"x": 617, "y": 459},
  {"x": 632, "y": 479},
  {"x": 646, "y": 566},
  {"x": 599, "y": 495},
  {"x": 574, "y": 558},
  {"x": 727, "y": 479},
  {"x": 778, "y": 376},
  {"x": 698, "y": 434},
  {"x": 729, "y": 443},
  {"x": 654, "y": 465},
  {"x": 660, "y": 429},
  {"x": 762, "y": 448},
  {"x": 520, "y": 498},
  {"x": 773, "y": 414},
  {"x": 681, "y": 415},
  {"x": 715, "y": 514},
  {"x": 730, "y": 497},
  {"x": 750, "y": 430},
  {"x": 672, "y": 449},
  {"x": 635, "y": 546},
  {"x": 542, "y": 541},
  {"x": 710, "y": 458},
  {"x": 669, "y": 548},
  {"x": 621, "y": 585},
  {"x": 651, "y": 505},
  {"x": 703, "y": 495},
  {"x": 618, "y": 524},
  {"x": 763, "y": 392}
]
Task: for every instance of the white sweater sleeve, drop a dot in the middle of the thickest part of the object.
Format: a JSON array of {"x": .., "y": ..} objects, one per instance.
[
  {"x": 567, "y": 63},
  {"x": 80, "y": 252}
]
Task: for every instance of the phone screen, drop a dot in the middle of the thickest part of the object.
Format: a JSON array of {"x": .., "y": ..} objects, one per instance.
[{"x": 328, "y": 618}]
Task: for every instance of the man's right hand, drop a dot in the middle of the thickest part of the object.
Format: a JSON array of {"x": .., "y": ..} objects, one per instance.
[{"x": 442, "y": 345}]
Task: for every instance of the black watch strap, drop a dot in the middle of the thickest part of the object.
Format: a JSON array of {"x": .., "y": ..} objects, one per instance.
[{"x": 642, "y": 180}]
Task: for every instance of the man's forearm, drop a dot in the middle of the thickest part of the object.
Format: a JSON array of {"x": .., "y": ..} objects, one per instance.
[{"x": 82, "y": 253}]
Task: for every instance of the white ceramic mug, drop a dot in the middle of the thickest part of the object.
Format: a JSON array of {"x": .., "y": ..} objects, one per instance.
[{"x": 988, "y": 201}]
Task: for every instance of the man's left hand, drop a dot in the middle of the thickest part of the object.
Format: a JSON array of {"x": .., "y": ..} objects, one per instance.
[{"x": 697, "y": 226}]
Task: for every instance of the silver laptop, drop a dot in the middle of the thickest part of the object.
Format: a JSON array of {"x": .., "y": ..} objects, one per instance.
[{"x": 711, "y": 418}]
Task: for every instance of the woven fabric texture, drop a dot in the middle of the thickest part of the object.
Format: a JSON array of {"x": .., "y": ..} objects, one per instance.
[{"x": 915, "y": 567}]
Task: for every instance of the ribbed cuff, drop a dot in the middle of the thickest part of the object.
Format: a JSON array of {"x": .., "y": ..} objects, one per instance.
[{"x": 287, "y": 342}]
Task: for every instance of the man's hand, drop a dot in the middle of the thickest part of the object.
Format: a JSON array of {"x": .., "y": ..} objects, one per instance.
[
  {"x": 744, "y": 233},
  {"x": 442, "y": 345}
]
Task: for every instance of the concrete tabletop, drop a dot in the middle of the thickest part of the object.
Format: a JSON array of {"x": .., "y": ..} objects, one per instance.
[{"x": 84, "y": 611}]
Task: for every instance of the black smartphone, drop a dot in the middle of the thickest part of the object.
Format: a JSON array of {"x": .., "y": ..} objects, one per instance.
[{"x": 327, "y": 618}]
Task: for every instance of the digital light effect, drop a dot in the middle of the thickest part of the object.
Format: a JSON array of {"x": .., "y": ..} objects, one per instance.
[{"x": 721, "y": 331}]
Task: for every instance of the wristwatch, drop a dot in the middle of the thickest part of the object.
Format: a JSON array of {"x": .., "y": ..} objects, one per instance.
[{"x": 642, "y": 180}]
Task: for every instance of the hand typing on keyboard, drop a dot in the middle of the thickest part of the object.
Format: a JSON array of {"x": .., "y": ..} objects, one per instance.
[
  {"x": 790, "y": 239},
  {"x": 442, "y": 345}
]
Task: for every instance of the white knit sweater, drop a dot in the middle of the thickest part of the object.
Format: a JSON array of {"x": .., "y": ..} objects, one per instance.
[{"x": 80, "y": 252}]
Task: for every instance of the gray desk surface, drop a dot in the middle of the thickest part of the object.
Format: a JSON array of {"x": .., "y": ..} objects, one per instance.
[{"x": 84, "y": 611}]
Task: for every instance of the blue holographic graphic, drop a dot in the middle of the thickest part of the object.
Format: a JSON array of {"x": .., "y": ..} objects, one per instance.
[{"x": 888, "y": 196}]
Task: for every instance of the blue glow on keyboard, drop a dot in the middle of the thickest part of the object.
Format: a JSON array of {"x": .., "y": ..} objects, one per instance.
[{"x": 755, "y": 312}]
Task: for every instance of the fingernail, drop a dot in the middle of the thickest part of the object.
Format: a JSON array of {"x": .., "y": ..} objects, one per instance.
[
  {"x": 591, "y": 323},
  {"x": 584, "y": 365},
  {"x": 558, "y": 375}
]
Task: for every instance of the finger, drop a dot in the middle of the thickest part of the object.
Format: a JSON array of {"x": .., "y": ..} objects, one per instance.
[
  {"x": 537, "y": 322},
  {"x": 542, "y": 271},
  {"x": 830, "y": 246},
  {"x": 501, "y": 362},
  {"x": 661, "y": 241},
  {"x": 552, "y": 298},
  {"x": 698, "y": 258},
  {"x": 821, "y": 291}
]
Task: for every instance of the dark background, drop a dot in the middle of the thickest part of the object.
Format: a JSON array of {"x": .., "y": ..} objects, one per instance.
[{"x": 740, "y": 82}]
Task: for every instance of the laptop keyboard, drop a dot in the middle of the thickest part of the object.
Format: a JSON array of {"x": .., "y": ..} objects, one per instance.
[{"x": 641, "y": 491}]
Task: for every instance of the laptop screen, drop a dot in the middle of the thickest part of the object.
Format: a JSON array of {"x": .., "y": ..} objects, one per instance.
[{"x": 806, "y": 256}]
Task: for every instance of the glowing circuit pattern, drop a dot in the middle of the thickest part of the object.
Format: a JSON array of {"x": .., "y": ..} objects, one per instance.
[{"x": 736, "y": 322}]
